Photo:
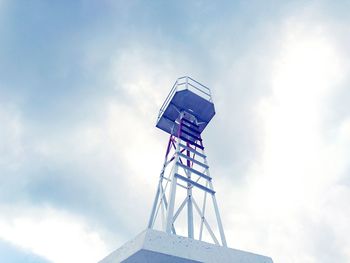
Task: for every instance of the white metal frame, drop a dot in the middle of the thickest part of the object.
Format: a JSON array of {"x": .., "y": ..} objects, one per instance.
[{"x": 169, "y": 184}]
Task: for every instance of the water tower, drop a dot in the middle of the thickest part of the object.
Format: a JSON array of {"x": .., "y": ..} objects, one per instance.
[{"x": 185, "y": 212}]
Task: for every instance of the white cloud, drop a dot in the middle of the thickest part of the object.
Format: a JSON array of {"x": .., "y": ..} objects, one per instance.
[
  {"x": 295, "y": 187},
  {"x": 11, "y": 148},
  {"x": 295, "y": 154},
  {"x": 297, "y": 177},
  {"x": 144, "y": 75},
  {"x": 55, "y": 235}
]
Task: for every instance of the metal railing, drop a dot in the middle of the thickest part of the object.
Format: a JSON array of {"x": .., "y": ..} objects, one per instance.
[{"x": 184, "y": 83}]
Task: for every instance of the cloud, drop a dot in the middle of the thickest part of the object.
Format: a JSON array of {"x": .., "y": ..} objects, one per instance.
[
  {"x": 52, "y": 234},
  {"x": 10, "y": 135},
  {"x": 298, "y": 168},
  {"x": 13, "y": 254},
  {"x": 83, "y": 166},
  {"x": 79, "y": 151}
]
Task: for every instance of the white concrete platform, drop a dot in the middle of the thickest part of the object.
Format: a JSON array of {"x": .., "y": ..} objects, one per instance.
[{"x": 153, "y": 246}]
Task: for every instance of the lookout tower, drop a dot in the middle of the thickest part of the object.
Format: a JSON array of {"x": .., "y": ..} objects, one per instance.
[
  {"x": 184, "y": 115},
  {"x": 185, "y": 212}
]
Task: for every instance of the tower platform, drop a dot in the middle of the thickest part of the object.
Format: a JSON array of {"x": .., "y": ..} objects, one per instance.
[
  {"x": 153, "y": 246},
  {"x": 190, "y": 96}
]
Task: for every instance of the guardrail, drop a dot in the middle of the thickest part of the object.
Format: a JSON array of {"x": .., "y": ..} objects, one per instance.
[{"x": 184, "y": 83}]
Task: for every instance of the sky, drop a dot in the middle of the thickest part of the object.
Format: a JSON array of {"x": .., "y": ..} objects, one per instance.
[{"x": 81, "y": 84}]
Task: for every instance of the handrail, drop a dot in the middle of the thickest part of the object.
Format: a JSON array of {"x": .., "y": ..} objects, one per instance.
[
  {"x": 199, "y": 89},
  {"x": 199, "y": 83},
  {"x": 188, "y": 83},
  {"x": 205, "y": 91},
  {"x": 170, "y": 94}
]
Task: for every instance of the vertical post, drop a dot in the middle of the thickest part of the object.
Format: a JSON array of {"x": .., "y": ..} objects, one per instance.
[
  {"x": 217, "y": 214},
  {"x": 172, "y": 194},
  {"x": 170, "y": 211},
  {"x": 151, "y": 219},
  {"x": 218, "y": 218},
  {"x": 155, "y": 203},
  {"x": 203, "y": 213},
  {"x": 163, "y": 207},
  {"x": 189, "y": 201}
]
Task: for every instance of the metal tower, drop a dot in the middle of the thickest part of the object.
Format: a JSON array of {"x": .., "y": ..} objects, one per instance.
[
  {"x": 184, "y": 182},
  {"x": 184, "y": 115}
]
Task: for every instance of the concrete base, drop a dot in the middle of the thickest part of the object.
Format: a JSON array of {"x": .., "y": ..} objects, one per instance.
[{"x": 153, "y": 246}]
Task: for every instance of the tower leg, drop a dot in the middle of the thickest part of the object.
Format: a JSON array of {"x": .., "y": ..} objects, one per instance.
[
  {"x": 155, "y": 203},
  {"x": 170, "y": 211},
  {"x": 218, "y": 219},
  {"x": 189, "y": 201},
  {"x": 160, "y": 185},
  {"x": 190, "y": 214}
]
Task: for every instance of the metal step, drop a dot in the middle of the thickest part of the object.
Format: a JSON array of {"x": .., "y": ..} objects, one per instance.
[
  {"x": 191, "y": 123},
  {"x": 194, "y": 171},
  {"x": 193, "y": 150},
  {"x": 194, "y": 129},
  {"x": 191, "y": 142},
  {"x": 185, "y": 128},
  {"x": 190, "y": 134},
  {"x": 183, "y": 178},
  {"x": 194, "y": 160}
]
